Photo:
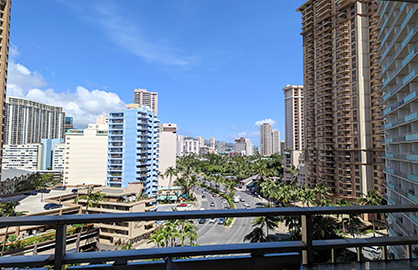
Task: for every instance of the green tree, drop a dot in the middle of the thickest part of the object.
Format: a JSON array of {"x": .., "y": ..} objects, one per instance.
[
  {"x": 322, "y": 191},
  {"x": 170, "y": 172},
  {"x": 92, "y": 199},
  {"x": 8, "y": 210},
  {"x": 372, "y": 198},
  {"x": 157, "y": 238},
  {"x": 308, "y": 197}
]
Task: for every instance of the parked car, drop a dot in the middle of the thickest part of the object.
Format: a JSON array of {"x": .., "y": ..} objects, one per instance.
[
  {"x": 32, "y": 192},
  {"x": 49, "y": 206},
  {"x": 212, "y": 204},
  {"x": 202, "y": 221},
  {"x": 74, "y": 190},
  {"x": 221, "y": 221},
  {"x": 212, "y": 220},
  {"x": 182, "y": 205},
  {"x": 43, "y": 190},
  {"x": 60, "y": 188}
]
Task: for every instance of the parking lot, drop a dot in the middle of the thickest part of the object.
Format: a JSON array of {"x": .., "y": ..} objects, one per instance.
[{"x": 34, "y": 203}]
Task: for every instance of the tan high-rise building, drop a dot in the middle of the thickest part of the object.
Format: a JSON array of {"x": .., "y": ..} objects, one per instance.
[
  {"x": 275, "y": 140},
  {"x": 5, "y": 6},
  {"x": 293, "y": 101},
  {"x": 168, "y": 148},
  {"x": 341, "y": 96},
  {"x": 144, "y": 98},
  {"x": 266, "y": 145}
]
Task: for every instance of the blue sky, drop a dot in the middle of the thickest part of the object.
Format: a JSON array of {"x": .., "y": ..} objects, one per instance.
[{"x": 219, "y": 66}]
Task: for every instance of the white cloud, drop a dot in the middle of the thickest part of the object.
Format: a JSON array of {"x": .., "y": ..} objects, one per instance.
[
  {"x": 13, "y": 51},
  {"x": 253, "y": 134},
  {"x": 127, "y": 35},
  {"x": 83, "y": 104},
  {"x": 269, "y": 121}
]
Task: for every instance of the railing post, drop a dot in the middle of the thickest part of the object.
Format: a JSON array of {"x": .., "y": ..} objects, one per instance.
[
  {"x": 359, "y": 254},
  {"x": 307, "y": 254},
  {"x": 60, "y": 246},
  {"x": 332, "y": 255},
  {"x": 385, "y": 253},
  {"x": 409, "y": 251}
]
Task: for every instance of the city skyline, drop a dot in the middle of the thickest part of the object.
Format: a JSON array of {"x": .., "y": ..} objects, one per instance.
[{"x": 182, "y": 66}]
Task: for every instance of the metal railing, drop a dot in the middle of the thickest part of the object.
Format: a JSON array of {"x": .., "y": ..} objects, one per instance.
[{"x": 121, "y": 258}]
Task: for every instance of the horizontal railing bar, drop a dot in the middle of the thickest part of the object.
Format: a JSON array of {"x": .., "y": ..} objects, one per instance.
[
  {"x": 32, "y": 260},
  {"x": 169, "y": 215},
  {"x": 232, "y": 262},
  {"x": 365, "y": 242},
  {"x": 151, "y": 253}
]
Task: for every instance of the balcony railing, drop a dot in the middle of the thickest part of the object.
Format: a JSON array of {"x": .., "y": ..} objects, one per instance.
[{"x": 121, "y": 259}]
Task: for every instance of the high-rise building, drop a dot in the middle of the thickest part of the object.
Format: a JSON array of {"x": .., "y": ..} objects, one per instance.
[
  {"x": 68, "y": 123},
  {"x": 399, "y": 75},
  {"x": 201, "y": 140},
  {"x": 211, "y": 145},
  {"x": 244, "y": 147},
  {"x": 282, "y": 147},
  {"x": 220, "y": 146},
  {"x": 168, "y": 147},
  {"x": 275, "y": 140},
  {"x": 265, "y": 140},
  {"x": 29, "y": 121},
  {"x": 133, "y": 149},
  {"x": 341, "y": 96},
  {"x": 293, "y": 101},
  {"x": 144, "y": 98},
  {"x": 85, "y": 155},
  {"x": 5, "y": 6}
]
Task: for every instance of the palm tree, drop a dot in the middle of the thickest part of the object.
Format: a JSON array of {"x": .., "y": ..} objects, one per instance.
[
  {"x": 170, "y": 172},
  {"x": 343, "y": 202},
  {"x": 8, "y": 210},
  {"x": 268, "y": 189},
  {"x": 322, "y": 191},
  {"x": 187, "y": 229},
  {"x": 269, "y": 222},
  {"x": 256, "y": 235},
  {"x": 157, "y": 239},
  {"x": 92, "y": 198},
  {"x": 308, "y": 197},
  {"x": 372, "y": 198}
]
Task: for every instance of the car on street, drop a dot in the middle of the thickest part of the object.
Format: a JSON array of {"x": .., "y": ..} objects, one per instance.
[
  {"x": 212, "y": 204},
  {"x": 32, "y": 192},
  {"x": 74, "y": 190},
  {"x": 49, "y": 206},
  {"x": 246, "y": 205},
  {"x": 242, "y": 200},
  {"x": 212, "y": 220},
  {"x": 182, "y": 205},
  {"x": 203, "y": 192},
  {"x": 214, "y": 194},
  {"x": 60, "y": 188},
  {"x": 202, "y": 221},
  {"x": 221, "y": 221},
  {"x": 203, "y": 196},
  {"x": 224, "y": 201},
  {"x": 226, "y": 207},
  {"x": 43, "y": 190}
]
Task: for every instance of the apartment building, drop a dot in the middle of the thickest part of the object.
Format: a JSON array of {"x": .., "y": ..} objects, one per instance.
[
  {"x": 144, "y": 98},
  {"x": 5, "y": 6},
  {"x": 265, "y": 140},
  {"x": 23, "y": 156},
  {"x": 341, "y": 96},
  {"x": 398, "y": 38},
  {"x": 201, "y": 140},
  {"x": 58, "y": 157},
  {"x": 188, "y": 145},
  {"x": 85, "y": 155},
  {"x": 275, "y": 140},
  {"x": 244, "y": 147},
  {"x": 293, "y": 101},
  {"x": 133, "y": 148},
  {"x": 28, "y": 121},
  {"x": 168, "y": 149},
  {"x": 48, "y": 152}
]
